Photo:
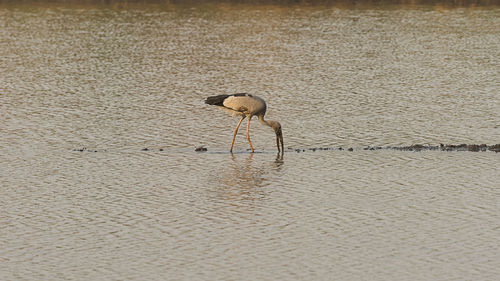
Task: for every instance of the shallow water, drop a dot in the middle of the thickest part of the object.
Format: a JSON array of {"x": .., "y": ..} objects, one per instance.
[{"x": 117, "y": 81}]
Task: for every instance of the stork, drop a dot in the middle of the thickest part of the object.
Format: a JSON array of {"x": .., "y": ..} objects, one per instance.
[{"x": 246, "y": 106}]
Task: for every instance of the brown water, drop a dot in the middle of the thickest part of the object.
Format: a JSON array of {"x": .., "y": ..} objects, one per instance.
[{"x": 117, "y": 81}]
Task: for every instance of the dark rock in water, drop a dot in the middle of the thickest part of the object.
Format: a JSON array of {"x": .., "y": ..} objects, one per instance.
[
  {"x": 145, "y": 149},
  {"x": 417, "y": 147},
  {"x": 350, "y": 149},
  {"x": 200, "y": 149},
  {"x": 161, "y": 149}
]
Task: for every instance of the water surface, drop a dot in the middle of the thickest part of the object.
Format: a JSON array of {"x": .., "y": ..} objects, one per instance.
[{"x": 116, "y": 81}]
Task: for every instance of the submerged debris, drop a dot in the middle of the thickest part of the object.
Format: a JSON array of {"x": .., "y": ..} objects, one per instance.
[
  {"x": 495, "y": 147},
  {"x": 84, "y": 149},
  {"x": 415, "y": 147},
  {"x": 450, "y": 147}
]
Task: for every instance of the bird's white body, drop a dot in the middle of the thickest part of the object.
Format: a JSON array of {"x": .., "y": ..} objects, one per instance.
[{"x": 246, "y": 106}]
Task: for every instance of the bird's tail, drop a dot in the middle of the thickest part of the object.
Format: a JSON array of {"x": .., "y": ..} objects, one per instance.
[{"x": 216, "y": 100}]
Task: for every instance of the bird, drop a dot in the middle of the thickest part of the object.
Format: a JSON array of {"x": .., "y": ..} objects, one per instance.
[{"x": 246, "y": 106}]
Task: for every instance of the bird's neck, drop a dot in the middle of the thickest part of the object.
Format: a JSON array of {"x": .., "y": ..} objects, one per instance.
[{"x": 264, "y": 122}]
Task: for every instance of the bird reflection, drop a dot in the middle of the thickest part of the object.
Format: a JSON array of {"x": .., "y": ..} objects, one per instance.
[
  {"x": 244, "y": 179},
  {"x": 242, "y": 173}
]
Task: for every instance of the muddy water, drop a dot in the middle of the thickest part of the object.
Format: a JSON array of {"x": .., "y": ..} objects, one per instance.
[{"x": 85, "y": 90}]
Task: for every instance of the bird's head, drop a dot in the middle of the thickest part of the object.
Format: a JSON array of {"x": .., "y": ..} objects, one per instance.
[{"x": 279, "y": 134}]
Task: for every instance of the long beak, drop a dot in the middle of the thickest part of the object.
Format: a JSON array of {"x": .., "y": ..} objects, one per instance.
[{"x": 279, "y": 139}]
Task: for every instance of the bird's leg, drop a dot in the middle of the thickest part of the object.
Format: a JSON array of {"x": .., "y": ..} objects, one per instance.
[
  {"x": 235, "y": 132},
  {"x": 248, "y": 136},
  {"x": 278, "y": 143}
]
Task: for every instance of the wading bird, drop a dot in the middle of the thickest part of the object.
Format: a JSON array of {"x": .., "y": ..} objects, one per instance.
[{"x": 246, "y": 106}]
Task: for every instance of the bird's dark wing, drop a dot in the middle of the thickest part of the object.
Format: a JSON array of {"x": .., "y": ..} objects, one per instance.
[
  {"x": 219, "y": 100},
  {"x": 216, "y": 100}
]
